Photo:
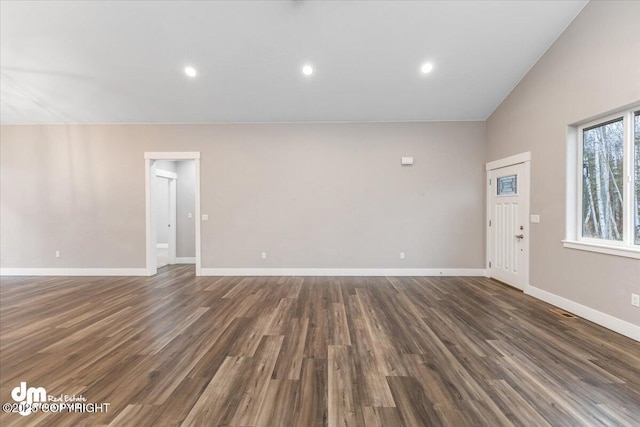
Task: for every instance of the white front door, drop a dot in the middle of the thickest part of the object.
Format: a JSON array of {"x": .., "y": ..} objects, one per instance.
[{"x": 508, "y": 226}]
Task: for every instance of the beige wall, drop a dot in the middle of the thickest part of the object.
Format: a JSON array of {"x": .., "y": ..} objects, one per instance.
[
  {"x": 592, "y": 68},
  {"x": 310, "y": 195}
]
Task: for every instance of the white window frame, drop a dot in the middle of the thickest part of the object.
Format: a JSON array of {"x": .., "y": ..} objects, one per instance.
[{"x": 574, "y": 239}]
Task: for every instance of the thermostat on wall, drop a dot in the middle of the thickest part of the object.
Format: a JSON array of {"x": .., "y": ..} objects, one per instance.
[{"x": 407, "y": 161}]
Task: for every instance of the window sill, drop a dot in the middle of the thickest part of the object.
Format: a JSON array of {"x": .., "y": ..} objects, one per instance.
[{"x": 623, "y": 251}]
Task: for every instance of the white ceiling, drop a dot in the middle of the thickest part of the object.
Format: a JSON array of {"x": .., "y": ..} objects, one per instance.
[{"x": 111, "y": 61}]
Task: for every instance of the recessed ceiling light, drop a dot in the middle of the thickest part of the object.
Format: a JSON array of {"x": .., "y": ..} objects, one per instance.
[
  {"x": 426, "y": 68},
  {"x": 307, "y": 70},
  {"x": 190, "y": 71}
]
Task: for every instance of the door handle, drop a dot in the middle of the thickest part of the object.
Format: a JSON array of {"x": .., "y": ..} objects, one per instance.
[{"x": 519, "y": 236}]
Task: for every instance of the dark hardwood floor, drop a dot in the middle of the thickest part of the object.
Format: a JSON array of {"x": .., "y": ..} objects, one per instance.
[{"x": 291, "y": 351}]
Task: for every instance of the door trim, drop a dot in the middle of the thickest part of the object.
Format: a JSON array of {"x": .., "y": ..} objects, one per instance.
[
  {"x": 525, "y": 159},
  {"x": 149, "y": 173},
  {"x": 166, "y": 174},
  {"x": 509, "y": 161}
]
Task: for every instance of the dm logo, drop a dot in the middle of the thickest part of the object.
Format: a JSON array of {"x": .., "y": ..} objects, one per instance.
[{"x": 28, "y": 396}]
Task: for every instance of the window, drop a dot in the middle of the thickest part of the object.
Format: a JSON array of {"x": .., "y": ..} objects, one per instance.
[
  {"x": 636, "y": 168},
  {"x": 507, "y": 185},
  {"x": 607, "y": 217},
  {"x": 602, "y": 180}
]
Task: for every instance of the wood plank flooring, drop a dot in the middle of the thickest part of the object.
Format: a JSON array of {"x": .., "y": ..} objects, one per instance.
[{"x": 292, "y": 351}]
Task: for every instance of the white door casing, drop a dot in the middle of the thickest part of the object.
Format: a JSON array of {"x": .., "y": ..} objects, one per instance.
[
  {"x": 507, "y": 222},
  {"x": 173, "y": 226}
]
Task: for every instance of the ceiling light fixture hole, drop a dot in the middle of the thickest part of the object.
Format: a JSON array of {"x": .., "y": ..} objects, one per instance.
[
  {"x": 426, "y": 68},
  {"x": 307, "y": 70}
]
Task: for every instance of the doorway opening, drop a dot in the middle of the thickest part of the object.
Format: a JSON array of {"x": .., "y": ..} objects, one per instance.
[
  {"x": 164, "y": 204},
  {"x": 508, "y": 220},
  {"x": 172, "y": 188}
]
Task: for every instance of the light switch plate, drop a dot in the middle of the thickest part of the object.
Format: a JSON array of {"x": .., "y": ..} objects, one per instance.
[
  {"x": 189, "y": 215},
  {"x": 205, "y": 217},
  {"x": 535, "y": 219},
  {"x": 407, "y": 161}
]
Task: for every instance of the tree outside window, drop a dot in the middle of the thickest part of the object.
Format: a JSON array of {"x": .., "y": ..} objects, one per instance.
[
  {"x": 636, "y": 133},
  {"x": 610, "y": 184},
  {"x": 603, "y": 179}
]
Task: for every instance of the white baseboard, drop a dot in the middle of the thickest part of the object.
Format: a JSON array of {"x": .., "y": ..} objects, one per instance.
[
  {"x": 162, "y": 245},
  {"x": 73, "y": 272},
  {"x": 185, "y": 260},
  {"x": 617, "y": 325},
  {"x": 343, "y": 272}
]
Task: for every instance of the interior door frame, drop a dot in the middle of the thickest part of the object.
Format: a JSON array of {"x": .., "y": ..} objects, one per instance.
[
  {"x": 173, "y": 209},
  {"x": 525, "y": 159},
  {"x": 150, "y": 173}
]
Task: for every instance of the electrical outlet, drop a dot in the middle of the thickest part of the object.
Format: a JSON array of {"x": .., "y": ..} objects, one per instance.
[
  {"x": 401, "y": 255},
  {"x": 57, "y": 254},
  {"x": 264, "y": 255},
  {"x": 635, "y": 300}
]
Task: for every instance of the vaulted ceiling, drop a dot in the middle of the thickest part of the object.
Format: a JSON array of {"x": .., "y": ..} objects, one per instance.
[{"x": 124, "y": 61}]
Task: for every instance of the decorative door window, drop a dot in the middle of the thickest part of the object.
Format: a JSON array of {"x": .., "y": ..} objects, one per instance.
[{"x": 507, "y": 185}]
